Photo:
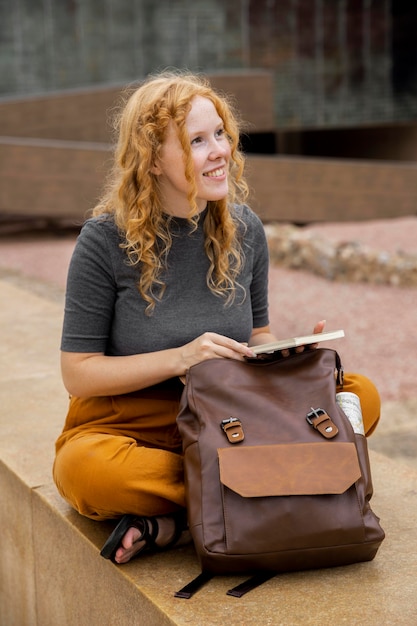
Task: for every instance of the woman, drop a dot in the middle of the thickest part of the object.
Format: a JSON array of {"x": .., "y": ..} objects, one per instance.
[{"x": 171, "y": 270}]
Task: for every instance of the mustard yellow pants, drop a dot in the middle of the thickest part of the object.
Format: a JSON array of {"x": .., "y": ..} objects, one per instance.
[{"x": 122, "y": 454}]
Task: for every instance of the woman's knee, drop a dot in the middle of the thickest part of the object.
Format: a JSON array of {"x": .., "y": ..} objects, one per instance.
[
  {"x": 105, "y": 476},
  {"x": 87, "y": 472}
]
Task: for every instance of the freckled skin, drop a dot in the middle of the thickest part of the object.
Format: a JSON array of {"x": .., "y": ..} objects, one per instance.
[{"x": 210, "y": 150}]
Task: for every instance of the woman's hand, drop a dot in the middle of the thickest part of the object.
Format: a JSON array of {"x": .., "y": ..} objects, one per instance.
[
  {"x": 318, "y": 328},
  {"x": 212, "y": 346}
]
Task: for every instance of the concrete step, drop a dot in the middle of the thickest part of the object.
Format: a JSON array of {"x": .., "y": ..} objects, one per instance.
[{"x": 50, "y": 569}]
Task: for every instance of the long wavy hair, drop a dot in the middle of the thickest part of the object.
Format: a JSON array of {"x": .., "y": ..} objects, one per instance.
[{"x": 132, "y": 191}]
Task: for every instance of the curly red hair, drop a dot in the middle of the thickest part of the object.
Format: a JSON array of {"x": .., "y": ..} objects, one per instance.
[{"x": 132, "y": 194}]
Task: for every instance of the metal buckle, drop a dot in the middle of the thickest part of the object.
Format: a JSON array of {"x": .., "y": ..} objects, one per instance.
[
  {"x": 321, "y": 421},
  {"x": 314, "y": 413}
]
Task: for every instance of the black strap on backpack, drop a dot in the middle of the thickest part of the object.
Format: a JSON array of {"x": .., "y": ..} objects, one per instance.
[{"x": 237, "y": 592}]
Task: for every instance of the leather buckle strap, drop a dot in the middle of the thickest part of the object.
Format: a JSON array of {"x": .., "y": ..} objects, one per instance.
[
  {"x": 321, "y": 421},
  {"x": 232, "y": 427}
]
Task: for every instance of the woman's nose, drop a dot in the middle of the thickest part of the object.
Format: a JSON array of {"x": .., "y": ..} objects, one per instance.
[{"x": 217, "y": 149}]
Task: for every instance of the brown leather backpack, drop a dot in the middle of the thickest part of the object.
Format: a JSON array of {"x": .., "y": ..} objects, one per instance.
[{"x": 276, "y": 479}]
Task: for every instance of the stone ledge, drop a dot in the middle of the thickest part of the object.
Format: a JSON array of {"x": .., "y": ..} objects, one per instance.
[
  {"x": 54, "y": 574},
  {"x": 348, "y": 261}
]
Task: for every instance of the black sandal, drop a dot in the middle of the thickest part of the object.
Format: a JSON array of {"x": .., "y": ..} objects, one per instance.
[{"x": 149, "y": 529}]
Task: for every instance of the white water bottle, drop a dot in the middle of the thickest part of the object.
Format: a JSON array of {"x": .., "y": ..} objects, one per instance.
[{"x": 351, "y": 406}]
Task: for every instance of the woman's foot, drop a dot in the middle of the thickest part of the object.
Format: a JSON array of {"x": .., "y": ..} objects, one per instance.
[
  {"x": 134, "y": 535},
  {"x": 134, "y": 540}
]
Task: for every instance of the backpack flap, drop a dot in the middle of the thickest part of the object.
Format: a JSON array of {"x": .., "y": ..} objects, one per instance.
[
  {"x": 286, "y": 498},
  {"x": 289, "y": 469}
]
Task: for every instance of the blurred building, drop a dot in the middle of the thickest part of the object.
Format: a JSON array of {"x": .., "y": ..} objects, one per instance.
[
  {"x": 342, "y": 78},
  {"x": 337, "y": 63}
]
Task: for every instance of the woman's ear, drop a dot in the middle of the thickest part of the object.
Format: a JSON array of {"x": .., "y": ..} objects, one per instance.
[{"x": 156, "y": 168}]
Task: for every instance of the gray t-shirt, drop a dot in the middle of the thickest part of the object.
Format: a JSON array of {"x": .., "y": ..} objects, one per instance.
[{"x": 104, "y": 311}]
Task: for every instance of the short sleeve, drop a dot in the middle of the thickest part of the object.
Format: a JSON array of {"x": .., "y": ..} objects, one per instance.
[{"x": 91, "y": 291}]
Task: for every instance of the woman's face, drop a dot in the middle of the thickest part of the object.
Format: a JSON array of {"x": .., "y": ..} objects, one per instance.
[{"x": 210, "y": 153}]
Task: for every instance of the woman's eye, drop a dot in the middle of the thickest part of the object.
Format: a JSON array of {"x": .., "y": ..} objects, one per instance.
[{"x": 200, "y": 139}]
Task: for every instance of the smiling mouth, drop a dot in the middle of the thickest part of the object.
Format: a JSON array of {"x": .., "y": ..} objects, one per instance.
[{"x": 215, "y": 173}]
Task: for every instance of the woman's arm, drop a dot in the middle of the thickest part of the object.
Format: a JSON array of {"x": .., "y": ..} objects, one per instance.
[
  {"x": 95, "y": 374},
  {"x": 260, "y": 336}
]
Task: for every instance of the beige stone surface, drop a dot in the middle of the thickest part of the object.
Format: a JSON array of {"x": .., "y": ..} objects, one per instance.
[
  {"x": 17, "y": 583},
  {"x": 33, "y": 398},
  {"x": 396, "y": 435},
  {"x": 74, "y": 584}
]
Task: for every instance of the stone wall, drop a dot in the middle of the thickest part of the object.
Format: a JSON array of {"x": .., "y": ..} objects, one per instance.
[
  {"x": 348, "y": 261},
  {"x": 337, "y": 63}
]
